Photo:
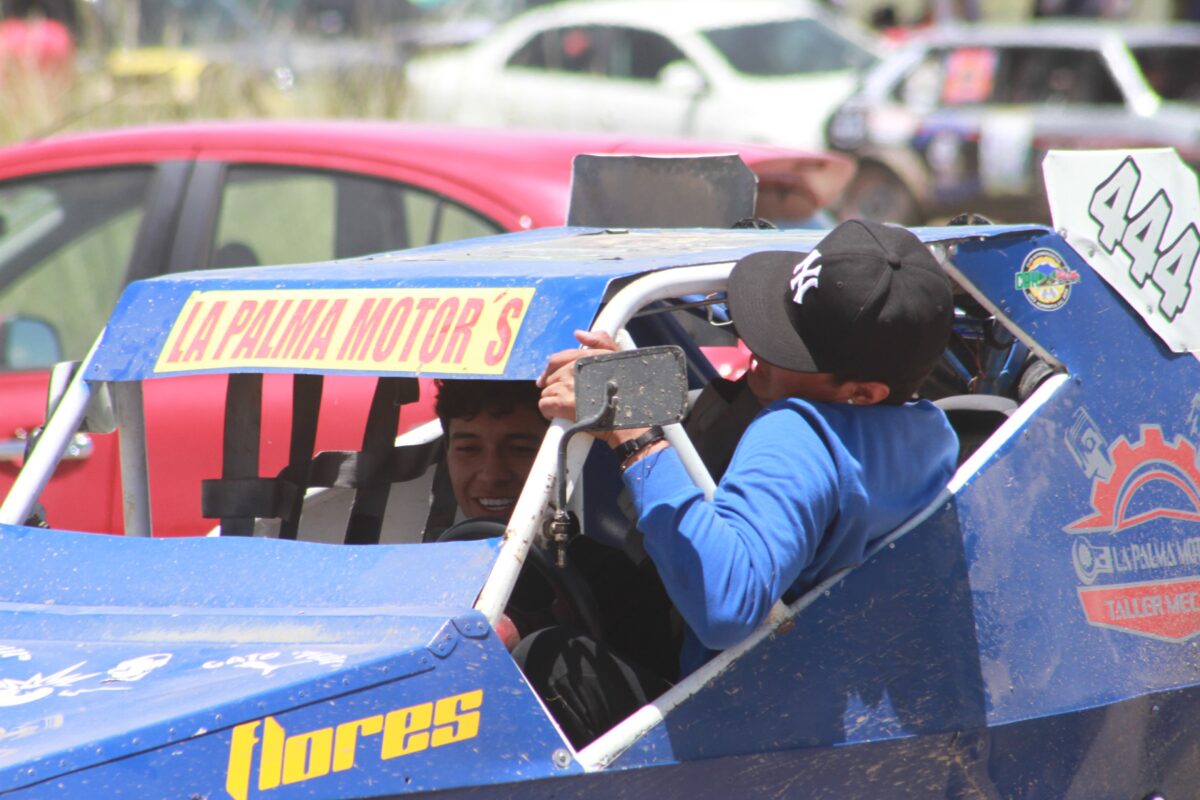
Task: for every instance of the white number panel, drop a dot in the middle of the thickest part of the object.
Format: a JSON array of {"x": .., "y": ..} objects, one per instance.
[{"x": 1132, "y": 214}]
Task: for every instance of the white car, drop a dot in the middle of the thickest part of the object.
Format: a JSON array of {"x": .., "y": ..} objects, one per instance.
[
  {"x": 960, "y": 117},
  {"x": 766, "y": 71}
]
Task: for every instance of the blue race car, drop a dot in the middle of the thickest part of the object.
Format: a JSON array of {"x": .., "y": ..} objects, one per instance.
[{"x": 1032, "y": 633}]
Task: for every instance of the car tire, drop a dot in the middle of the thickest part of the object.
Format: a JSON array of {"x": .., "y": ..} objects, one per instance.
[{"x": 877, "y": 194}]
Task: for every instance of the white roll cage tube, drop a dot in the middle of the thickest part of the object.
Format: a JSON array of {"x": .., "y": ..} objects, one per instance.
[
  {"x": 60, "y": 429},
  {"x": 65, "y": 420},
  {"x": 532, "y": 505},
  {"x": 530, "y": 511}
]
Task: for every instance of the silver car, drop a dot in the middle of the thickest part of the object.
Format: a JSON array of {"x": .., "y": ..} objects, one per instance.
[{"x": 957, "y": 120}]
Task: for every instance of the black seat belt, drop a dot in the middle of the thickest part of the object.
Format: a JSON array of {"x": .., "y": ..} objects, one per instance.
[
  {"x": 306, "y": 405},
  {"x": 243, "y": 425},
  {"x": 374, "y": 466}
]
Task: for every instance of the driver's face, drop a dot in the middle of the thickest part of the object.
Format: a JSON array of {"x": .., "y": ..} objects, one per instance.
[{"x": 489, "y": 457}]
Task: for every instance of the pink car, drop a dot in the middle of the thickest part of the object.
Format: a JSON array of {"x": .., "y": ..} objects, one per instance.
[{"x": 81, "y": 216}]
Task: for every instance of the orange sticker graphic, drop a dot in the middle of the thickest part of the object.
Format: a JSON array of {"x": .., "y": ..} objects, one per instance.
[
  {"x": 970, "y": 72},
  {"x": 468, "y": 331}
]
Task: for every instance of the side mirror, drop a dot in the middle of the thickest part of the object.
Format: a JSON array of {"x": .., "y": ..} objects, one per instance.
[
  {"x": 28, "y": 343},
  {"x": 682, "y": 78},
  {"x": 630, "y": 389}
]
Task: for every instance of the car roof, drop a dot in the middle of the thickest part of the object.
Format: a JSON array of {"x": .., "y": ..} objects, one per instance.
[
  {"x": 152, "y": 142},
  {"x": 1075, "y": 33},
  {"x": 561, "y": 277},
  {"x": 673, "y": 15},
  {"x": 536, "y": 164}
]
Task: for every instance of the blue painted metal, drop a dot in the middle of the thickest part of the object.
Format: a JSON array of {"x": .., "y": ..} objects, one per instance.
[
  {"x": 113, "y": 645},
  {"x": 570, "y": 269},
  {"x": 200, "y": 760},
  {"x": 970, "y": 627},
  {"x": 1002, "y": 648}
]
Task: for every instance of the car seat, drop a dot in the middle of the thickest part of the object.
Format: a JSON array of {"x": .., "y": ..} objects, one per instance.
[{"x": 234, "y": 254}]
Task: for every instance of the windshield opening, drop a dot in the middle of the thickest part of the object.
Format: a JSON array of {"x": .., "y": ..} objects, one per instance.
[
  {"x": 1173, "y": 72},
  {"x": 788, "y": 47}
]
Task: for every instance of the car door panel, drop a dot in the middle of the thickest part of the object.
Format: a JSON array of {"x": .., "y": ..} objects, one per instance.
[
  {"x": 71, "y": 241},
  {"x": 82, "y": 495},
  {"x": 542, "y": 98}
]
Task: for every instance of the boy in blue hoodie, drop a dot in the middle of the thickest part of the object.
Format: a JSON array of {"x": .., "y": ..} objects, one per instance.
[{"x": 839, "y": 456}]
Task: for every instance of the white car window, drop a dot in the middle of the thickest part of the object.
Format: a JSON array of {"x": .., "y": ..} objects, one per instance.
[
  {"x": 1172, "y": 71},
  {"x": 616, "y": 52},
  {"x": 640, "y": 55},
  {"x": 580, "y": 49},
  {"x": 788, "y": 47},
  {"x": 1056, "y": 75},
  {"x": 921, "y": 88}
]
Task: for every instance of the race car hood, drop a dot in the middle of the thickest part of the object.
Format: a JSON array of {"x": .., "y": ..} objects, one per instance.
[{"x": 107, "y": 663}]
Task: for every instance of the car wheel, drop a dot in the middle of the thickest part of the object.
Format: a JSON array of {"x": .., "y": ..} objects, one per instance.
[{"x": 877, "y": 194}]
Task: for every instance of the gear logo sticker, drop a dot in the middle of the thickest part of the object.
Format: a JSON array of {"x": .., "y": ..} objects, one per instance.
[
  {"x": 1135, "y": 471},
  {"x": 1046, "y": 280},
  {"x": 1137, "y": 554}
]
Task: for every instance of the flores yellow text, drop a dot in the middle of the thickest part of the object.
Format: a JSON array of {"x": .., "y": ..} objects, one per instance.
[{"x": 285, "y": 758}]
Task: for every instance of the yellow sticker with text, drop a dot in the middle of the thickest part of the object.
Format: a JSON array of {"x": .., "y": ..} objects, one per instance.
[
  {"x": 469, "y": 331},
  {"x": 264, "y": 755}
]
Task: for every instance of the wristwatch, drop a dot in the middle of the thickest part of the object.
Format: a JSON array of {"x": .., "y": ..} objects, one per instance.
[{"x": 625, "y": 450}]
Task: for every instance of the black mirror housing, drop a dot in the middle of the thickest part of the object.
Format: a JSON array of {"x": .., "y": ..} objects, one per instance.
[{"x": 650, "y": 386}]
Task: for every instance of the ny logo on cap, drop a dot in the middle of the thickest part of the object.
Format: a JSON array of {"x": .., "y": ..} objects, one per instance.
[{"x": 804, "y": 276}]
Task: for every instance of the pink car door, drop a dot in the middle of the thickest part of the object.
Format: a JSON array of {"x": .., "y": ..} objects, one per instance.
[{"x": 69, "y": 242}]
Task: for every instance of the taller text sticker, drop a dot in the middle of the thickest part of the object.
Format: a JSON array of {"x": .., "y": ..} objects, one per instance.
[
  {"x": 1132, "y": 215},
  {"x": 469, "y": 331}
]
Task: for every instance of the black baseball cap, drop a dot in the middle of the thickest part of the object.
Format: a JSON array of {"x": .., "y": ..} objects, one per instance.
[{"x": 868, "y": 303}]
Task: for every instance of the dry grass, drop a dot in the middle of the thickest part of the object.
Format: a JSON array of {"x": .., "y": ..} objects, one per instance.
[
  {"x": 34, "y": 104},
  {"x": 31, "y": 100}
]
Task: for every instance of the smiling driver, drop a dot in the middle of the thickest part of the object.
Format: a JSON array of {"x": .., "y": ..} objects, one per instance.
[{"x": 493, "y": 430}]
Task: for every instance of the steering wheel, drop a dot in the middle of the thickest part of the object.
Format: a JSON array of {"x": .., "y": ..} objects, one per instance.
[{"x": 540, "y": 591}]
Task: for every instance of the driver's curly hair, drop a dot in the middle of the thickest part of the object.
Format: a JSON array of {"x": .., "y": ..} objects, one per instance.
[{"x": 466, "y": 399}]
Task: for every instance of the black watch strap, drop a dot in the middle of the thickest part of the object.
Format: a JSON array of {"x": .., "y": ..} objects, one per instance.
[{"x": 626, "y": 449}]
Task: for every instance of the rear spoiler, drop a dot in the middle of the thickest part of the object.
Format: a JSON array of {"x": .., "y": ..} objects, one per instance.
[{"x": 636, "y": 191}]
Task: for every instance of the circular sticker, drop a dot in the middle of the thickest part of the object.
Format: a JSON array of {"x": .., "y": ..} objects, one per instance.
[{"x": 1046, "y": 280}]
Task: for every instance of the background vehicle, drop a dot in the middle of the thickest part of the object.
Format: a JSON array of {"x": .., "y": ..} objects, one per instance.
[
  {"x": 84, "y": 215},
  {"x": 960, "y": 118},
  {"x": 1028, "y": 634},
  {"x": 754, "y": 71}
]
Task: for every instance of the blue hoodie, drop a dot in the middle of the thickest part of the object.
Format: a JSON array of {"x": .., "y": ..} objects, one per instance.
[{"x": 811, "y": 486}]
